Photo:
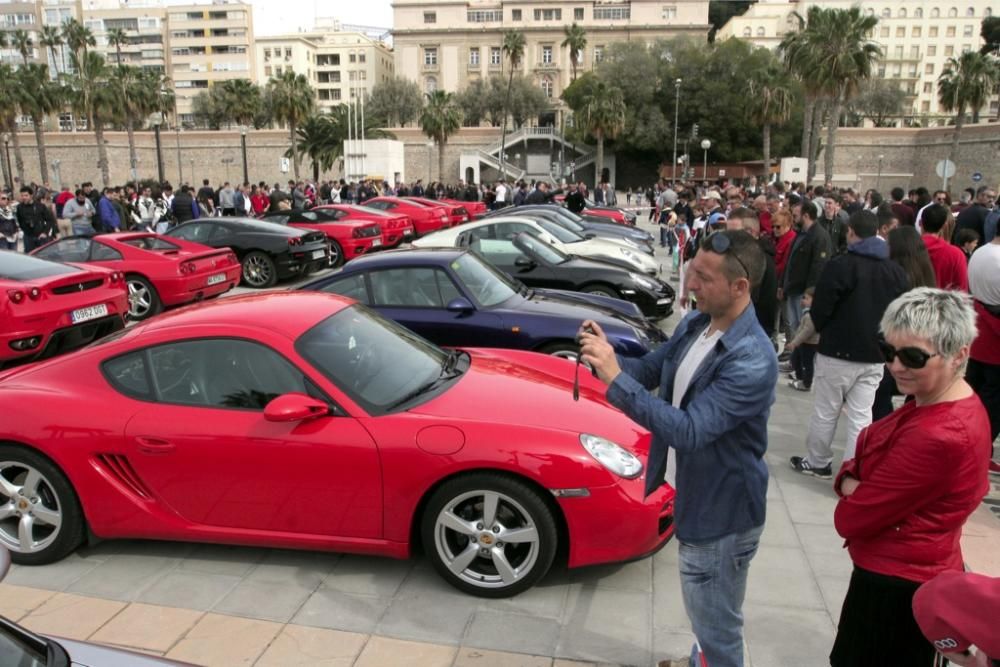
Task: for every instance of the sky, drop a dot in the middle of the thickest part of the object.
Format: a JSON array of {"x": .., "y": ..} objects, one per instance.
[{"x": 275, "y": 17}]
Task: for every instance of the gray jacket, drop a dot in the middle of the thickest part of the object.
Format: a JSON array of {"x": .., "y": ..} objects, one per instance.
[{"x": 74, "y": 211}]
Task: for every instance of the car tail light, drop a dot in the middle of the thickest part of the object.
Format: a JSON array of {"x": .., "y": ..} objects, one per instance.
[
  {"x": 34, "y": 294},
  {"x": 187, "y": 268},
  {"x": 356, "y": 233},
  {"x": 16, "y": 295},
  {"x": 231, "y": 258},
  {"x": 295, "y": 240},
  {"x": 116, "y": 277}
]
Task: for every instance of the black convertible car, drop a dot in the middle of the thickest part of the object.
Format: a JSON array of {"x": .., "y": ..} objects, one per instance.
[
  {"x": 267, "y": 251},
  {"x": 587, "y": 226},
  {"x": 537, "y": 264}
]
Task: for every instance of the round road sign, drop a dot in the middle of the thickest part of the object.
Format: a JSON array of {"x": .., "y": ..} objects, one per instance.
[
  {"x": 976, "y": 177},
  {"x": 945, "y": 169}
]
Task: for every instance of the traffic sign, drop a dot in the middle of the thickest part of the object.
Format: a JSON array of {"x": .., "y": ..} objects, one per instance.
[
  {"x": 945, "y": 168},
  {"x": 976, "y": 177}
]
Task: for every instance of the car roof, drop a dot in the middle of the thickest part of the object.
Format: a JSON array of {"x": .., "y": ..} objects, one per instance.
[{"x": 439, "y": 256}]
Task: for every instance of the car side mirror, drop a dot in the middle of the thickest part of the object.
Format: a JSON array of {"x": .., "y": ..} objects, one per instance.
[
  {"x": 523, "y": 262},
  {"x": 460, "y": 305},
  {"x": 295, "y": 407},
  {"x": 590, "y": 236}
]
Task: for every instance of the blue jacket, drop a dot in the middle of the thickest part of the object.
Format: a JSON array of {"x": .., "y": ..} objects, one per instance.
[
  {"x": 108, "y": 215},
  {"x": 720, "y": 430}
]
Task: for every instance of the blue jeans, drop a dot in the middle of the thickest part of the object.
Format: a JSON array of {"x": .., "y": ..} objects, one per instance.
[
  {"x": 713, "y": 584},
  {"x": 793, "y": 311}
]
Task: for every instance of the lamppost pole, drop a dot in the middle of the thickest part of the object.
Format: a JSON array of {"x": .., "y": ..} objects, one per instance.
[
  {"x": 243, "y": 145},
  {"x": 705, "y": 145},
  {"x": 878, "y": 178},
  {"x": 677, "y": 109},
  {"x": 159, "y": 154},
  {"x": 180, "y": 165},
  {"x": 6, "y": 150}
]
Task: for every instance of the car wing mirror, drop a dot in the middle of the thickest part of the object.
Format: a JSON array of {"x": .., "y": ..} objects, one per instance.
[
  {"x": 523, "y": 262},
  {"x": 590, "y": 236},
  {"x": 460, "y": 305},
  {"x": 295, "y": 407}
]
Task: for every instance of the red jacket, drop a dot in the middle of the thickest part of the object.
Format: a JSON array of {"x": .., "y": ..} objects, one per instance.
[
  {"x": 923, "y": 471},
  {"x": 782, "y": 249},
  {"x": 986, "y": 347},
  {"x": 951, "y": 268}
]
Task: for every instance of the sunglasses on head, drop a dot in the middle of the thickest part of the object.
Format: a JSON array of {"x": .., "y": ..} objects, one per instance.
[
  {"x": 911, "y": 357},
  {"x": 721, "y": 244}
]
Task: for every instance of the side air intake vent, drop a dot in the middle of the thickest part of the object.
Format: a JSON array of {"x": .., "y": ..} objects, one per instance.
[{"x": 118, "y": 467}]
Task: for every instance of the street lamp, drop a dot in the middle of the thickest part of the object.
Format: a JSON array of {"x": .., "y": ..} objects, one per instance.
[
  {"x": 705, "y": 145},
  {"x": 6, "y": 150},
  {"x": 430, "y": 147},
  {"x": 157, "y": 122},
  {"x": 878, "y": 178},
  {"x": 227, "y": 161},
  {"x": 55, "y": 170},
  {"x": 677, "y": 108},
  {"x": 243, "y": 144}
]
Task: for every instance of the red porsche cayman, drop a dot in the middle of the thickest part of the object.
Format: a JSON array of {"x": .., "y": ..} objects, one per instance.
[{"x": 304, "y": 420}]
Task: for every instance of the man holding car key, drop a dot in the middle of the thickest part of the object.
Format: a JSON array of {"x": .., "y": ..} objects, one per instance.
[{"x": 716, "y": 378}]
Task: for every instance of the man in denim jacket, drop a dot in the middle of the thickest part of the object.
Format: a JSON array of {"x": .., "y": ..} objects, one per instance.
[{"x": 716, "y": 379}]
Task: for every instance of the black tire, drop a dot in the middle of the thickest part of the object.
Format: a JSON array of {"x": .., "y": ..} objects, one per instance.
[
  {"x": 601, "y": 290},
  {"x": 518, "y": 507},
  {"x": 143, "y": 299},
  {"x": 54, "y": 493},
  {"x": 336, "y": 254},
  {"x": 259, "y": 270}
]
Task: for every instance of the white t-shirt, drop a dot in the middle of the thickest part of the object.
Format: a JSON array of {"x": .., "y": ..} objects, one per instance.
[
  {"x": 984, "y": 274},
  {"x": 501, "y": 193},
  {"x": 682, "y": 380}
]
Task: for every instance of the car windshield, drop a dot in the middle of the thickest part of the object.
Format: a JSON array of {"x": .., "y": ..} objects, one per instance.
[
  {"x": 487, "y": 285},
  {"x": 15, "y": 266},
  {"x": 559, "y": 232},
  {"x": 375, "y": 361},
  {"x": 151, "y": 243},
  {"x": 19, "y": 650},
  {"x": 541, "y": 248},
  {"x": 569, "y": 223}
]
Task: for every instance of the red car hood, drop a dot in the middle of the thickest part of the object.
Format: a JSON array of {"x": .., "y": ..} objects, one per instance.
[{"x": 531, "y": 389}]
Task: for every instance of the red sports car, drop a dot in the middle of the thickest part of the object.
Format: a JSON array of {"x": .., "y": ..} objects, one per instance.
[
  {"x": 396, "y": 228},
  {"x": 457, "y": 213},
  {"x": 48, "y": 308},
  {"x": 475, "y": 209},
  {"x": 426, "y": 219},
  {"x": 304, "y": 420},
  {"x": 160, "y": 272},
  {"x": 349, "y": 237}
]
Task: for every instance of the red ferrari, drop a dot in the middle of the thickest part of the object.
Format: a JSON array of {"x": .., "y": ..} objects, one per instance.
[
  {"x": 396, "y": 228},
  {"x": 304, "y": 420},
  {"x": 48, "y": 308},
  {"x": 457, "y": 213},
  {"x": 160, "y": 272},
  {"x": 474, "y": 209},
  {"x": 426, "y": 219},
  {"x": 349, "y": 237}
]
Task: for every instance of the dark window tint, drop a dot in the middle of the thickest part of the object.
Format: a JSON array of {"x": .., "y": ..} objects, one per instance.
[
  {"x": 67, "y": 250},
  {"x": 127, "y": 374},
  {"x": 151, "y": 243},
  {"x": 422, "y": 287},
  {"x": 15, "y": 266},
  {"x": 509, "y": 230},
  {"x": 322, "y": 215},
  {"x": 221, "y": 234},
  {"x": 102, "y": 253},
  {"x": 198, "y": 232},
  {"x": 352, "y": 286},
  {"x": 278, "y": 219}
]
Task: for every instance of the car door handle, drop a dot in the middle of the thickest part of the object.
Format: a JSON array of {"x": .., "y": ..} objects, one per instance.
[{"x": 154, "y": 445}]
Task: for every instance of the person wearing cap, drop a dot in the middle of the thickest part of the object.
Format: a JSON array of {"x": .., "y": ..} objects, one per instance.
[
  {"x": 959, "y": 610},
  {"x": 917, "y": 476},
  {"x": 713, "y": 202}
]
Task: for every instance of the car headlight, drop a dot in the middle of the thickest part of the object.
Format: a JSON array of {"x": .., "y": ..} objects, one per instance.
[
  {"x": 612, "y": 456},
  {"x": 642, "y": 281}
]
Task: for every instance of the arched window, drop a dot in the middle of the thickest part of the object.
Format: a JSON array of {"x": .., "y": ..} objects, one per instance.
[
  {"x": 971, "y": 11},
  {"x": 431, "y": 84},
  {"x": 901, "y": 13},
  {"x": 918, "y": 13},
  {"x": 988, "y": 11},
  {"x": 870, "y": 11},
  {"x": 935, "y": 13},
  {"x": 547, "y": 86},
  {"x": 748, "y": 32},
  {"x": 953, "y": 12},
  {"x": 761, "y": 32},
  {"x": 886, "y": 12}
]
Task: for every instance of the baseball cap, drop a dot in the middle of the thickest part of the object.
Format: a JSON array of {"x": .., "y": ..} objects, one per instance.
[
  {"x": 716, "y": 218},
  {"x": 712, "y": 194},
  {"x": 956, "y": 610}
]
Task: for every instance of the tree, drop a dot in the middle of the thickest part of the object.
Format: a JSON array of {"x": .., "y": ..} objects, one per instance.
[
  {"x": 21, "y": 40},
  {"x": 116, "y": 38},
  {"x": 720, "y": 11},
  {"x": 10, "y": 98},
  {"x": 50, "y": 38},
  {"x": 990, "y": 32},
  {"x": 40, "y": 96},
  {"x": 440, "y": 119},
  {"x": 473, "y": 101},
  {"x": 94, "y": 97},
  {"x": 292, "y": 101},
  {"x": 798, "y": 52},
  {"x": 771, "y": 96},
  {"x": 319, "y": 138},
  {"x": 880, "y": 102},
  {"x": 78, "y": 38},
  {"x": 966, "y": 85},
  {"x": 576, "y": 42},
  {"x": 241, "y": 101},
  {"x": 603, "y": 114},
  {"x": 526, "y": 100},
  {"x": 395, "y": 103},
  {"x": 513, "y": 46},
  {"x": 137, "y": 98}
]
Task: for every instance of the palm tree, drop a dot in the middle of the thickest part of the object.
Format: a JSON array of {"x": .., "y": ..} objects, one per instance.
[
  {"x": 241, "y": 100},
  {"x": 966, "y": 85},
  {"x": 321, "y": 138},
  {"x": 116, "y": 38},
  {"x": 21, "y": 40},
  {"x": 292, "y": 101},
  {"x": 95, "y": 99},
  {"x": 50, "y": 38},
  {"x": 513, "y": 46},
  {"x": 798, "y": 51},
  {"x": 604, "y": 117},
  {"x": 771, "y": 98},
  {"x": 77, "y": 37},
  {"x": 136, "y": 98},
  {"x": 441, "y": 119},
  {"x": 576, "y": 41},
  {"x": 10, "y": 98},
  {"x": 40, "y": 96}
]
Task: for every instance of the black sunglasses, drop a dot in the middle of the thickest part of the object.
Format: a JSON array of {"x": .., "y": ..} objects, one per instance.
[
  {"x": 720, "y": 244},
  {"x": 911, "y": 357}
]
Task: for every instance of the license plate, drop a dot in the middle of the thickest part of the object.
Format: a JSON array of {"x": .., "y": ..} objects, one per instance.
[
  {"x": 88, "y": 313},
  {"x": 216, "y": 279},
  {"x": 319, "y": 253},
  {"x": 376, "y": 243}
]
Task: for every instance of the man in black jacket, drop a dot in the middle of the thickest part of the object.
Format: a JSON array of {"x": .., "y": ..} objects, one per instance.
[
  {"x": 35, "y": 220},
  {"x": 809, "y": 254},
  {"x": 540, "y": 195},
  {"x": 834, "y": 221},
  {"x": 852, "y": 294},
  {"x": 574, "y": 200}
]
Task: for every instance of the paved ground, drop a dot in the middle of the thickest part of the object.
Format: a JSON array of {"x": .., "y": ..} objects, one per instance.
[{"x": 223, "y": 605}]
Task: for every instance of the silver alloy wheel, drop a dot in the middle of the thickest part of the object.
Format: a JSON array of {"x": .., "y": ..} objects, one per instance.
[
  {"x": 256, "y": 270},
  {"x": 140, "y": 301},
  {"x": 31, "y": 518},
  {"x": 334, "y": 255},
  {"x": 487, "y": 539},
  {"x": 566, "y": 354}
]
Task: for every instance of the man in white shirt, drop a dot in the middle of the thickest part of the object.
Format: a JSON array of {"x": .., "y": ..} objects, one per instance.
[{"x": 501, "y": 192}]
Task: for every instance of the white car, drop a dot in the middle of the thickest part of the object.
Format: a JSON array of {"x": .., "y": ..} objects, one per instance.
[{"x": 569, "y": 242}]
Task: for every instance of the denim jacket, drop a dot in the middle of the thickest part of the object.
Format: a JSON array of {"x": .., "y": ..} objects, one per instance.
[{"x": 720, "y": 430}]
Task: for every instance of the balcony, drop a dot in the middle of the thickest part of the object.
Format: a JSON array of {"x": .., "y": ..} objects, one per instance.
[
  {"x": 475, "y": 67},
  {"x": 430, "y": 67}
]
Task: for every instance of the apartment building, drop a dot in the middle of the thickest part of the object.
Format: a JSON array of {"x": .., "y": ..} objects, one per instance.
[
  {"x": 917, "y": 37},
  {"x": 339, "y": 64},
  {"x": 21, "y": 16},
  {"x": 145, "y": 29},
  {"x": 56, "y": 13},
  {"x": 208, "y": 44},
  {"x": 444, "y": 44}
]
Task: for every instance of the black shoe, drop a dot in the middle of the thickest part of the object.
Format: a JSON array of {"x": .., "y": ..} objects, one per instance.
[
  {"x": 799, "y": 464},
  {"x": 784, "y": 356}
]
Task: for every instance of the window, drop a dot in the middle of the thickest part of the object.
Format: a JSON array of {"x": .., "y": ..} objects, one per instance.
[
  {"x": 474, "y": 56},
  {"x": 267, "y": 54},
  {"x": 748, "y": 31},
  {"x": 913, "y": 71},
  {"x": 668, "y": 12},
  {"x": 102, "y": 253},
  {"x": 928, "y": 87},
  {"x": 127, "y": 374},
  {"x": 884, "y": 32},
  {"x": 929, "y": 68},
  {"x": 988, "y": 12},
  {"x": 967, "y": 31},
  {"x": 966, "y": 48},
  {"x": 886, "y": 13},
  {"x": 897, "y": 52},
  {"x": 933, "y": 32},
  {"x": 953, "y": 12},
  {"x": 361, "y": 57},
  {"x": 949, "y": 51},
  {"x": 430, "y": 56},
  {"x": 484, "y": 15},
  {"x": 897, "y": 71},
  {"x": 925, "y": 106},
  {"x": 548, "y": 15},
  {"x": 598, "y": 54},
  {"x": 612, "y": 13},
  {"x": 430, "y": 84},
  {"x": 495, "y": 55},
  {"x": 935, "y": 13},
  {"x": 328, "y": 60},
  {"x": 547, "y": 54},
  {"x": 67, "y": 250},
  {"x": 917, "y": 31},
  {"x": 547, "y": 86},
  {"x": 914, "y": 52},
  {"x": 578, "y": 14},
  {"x": 901, "y": 13},
  {"x": 352, "y": 58},
  {"x": 335, "y": 94},
  {"x": 352, "y": 287},
  {"x": 422, "y": 287},
  {"x": 149, "y": 24},
  {"x": 932, "y": 50},
  {"x": 430, "y": 17},
  {"x": 900, "y": 31},
  {"x": 10, "y": 20},
  {"x": 515, "y": 15},
  {"x": 760, "y": 31},
  {"x": 970, "y": 11},
  {"x": 918, "y": 13}
]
